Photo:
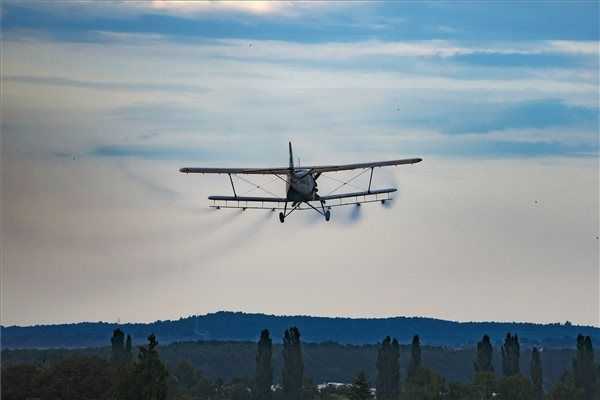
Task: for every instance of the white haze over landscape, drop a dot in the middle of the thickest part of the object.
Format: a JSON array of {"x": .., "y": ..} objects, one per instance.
[{"x": 499, "y": 222}]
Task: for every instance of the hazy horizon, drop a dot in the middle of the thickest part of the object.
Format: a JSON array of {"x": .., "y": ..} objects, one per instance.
[{"x": 122, "y": 322}]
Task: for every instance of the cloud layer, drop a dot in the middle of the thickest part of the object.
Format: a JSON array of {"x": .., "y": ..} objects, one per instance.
[{"x": 103, "y": 102}]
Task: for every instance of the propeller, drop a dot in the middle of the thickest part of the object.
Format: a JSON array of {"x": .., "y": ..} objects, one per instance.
[{"x": 315, "y": 177}]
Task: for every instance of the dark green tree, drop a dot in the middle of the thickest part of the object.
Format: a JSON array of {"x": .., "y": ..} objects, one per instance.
[
  {"x": 293, "y": 366},
  {"x": 20, "y": 382},
  {"x": 238, "y": 389},
  {"x": 395, "y": 370},
  {"x": 565, "y": 389},
  {"x": 485, "y": 352},
  {"x": 584, "y": 370},
  {"x": 359, "y": 390},
  {"x": 128, "y": 353},
  {"x": 537, "y": 377},
  {"x": 515, "y": 387},
  {"x": 382, "y": 383},
  {"x": 510, "y": 355},
  {"x": 185, "y": 382},
  {"x": 484, "y": 385},
  {"x": 310, "y": 391},
  {"x": 148, "y": 380},
  {"x": 76, "y": 378},
  {"x": 460, "y": 391},
  {"x": 264, "y": 369},
  {"x": 425, "y": 384},
  {"x": 415, "y": 358},
  {"x": 388, "y": 370},
  {"x": 117, "y": 342}
]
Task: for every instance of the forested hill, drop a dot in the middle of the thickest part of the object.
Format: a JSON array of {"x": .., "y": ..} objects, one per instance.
[{"x": 241, "y": 327}]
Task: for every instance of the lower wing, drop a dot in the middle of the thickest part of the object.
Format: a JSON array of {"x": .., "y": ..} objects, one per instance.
[
  {"x": 357, "y": 194},
  {"x": 259, "y": 199},
  {"x": 247, "y": 198}
]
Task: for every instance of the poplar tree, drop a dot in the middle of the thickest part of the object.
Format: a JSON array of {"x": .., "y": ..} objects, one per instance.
[
  {"x": 264, "y": 369},
  {"x": 395, "y": 370},
  {"x": 382, "y": 384},
  {"x": 293, "y": 366},
  {"x": 584, "y": 370},
  {"x": 415, "y": 358},
  {"x": 128, "y": 354},
  {"x": 149, "y": 374},
  {"x": 117, "y": 346},
  {"x": 537, "y": 378},
  {"x": 388, "y": 370},
  {"x": 510, "y": 355},
  {"x": 485, "y": 353}
]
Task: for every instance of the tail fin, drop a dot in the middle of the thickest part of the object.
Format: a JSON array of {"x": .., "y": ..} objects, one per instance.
[{"x": 291, "y": 156}]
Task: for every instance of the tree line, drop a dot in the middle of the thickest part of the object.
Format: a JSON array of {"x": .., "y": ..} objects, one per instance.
[{"x": 144, "y": 376}]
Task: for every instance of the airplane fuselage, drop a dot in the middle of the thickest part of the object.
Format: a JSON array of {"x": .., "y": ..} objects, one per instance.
[{"x": 301, "y": 186}]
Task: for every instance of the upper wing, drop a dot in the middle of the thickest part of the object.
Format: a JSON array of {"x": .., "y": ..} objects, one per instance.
[
  {"x": 248, "y": 171},
  {"x": 316, "y": 168},
  {"x": 345, "y": 167}
]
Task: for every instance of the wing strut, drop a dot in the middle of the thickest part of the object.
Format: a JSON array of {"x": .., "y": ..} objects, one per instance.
[
  {"x": 370, "y": 179},
  {"x": 232, "y": 186}
]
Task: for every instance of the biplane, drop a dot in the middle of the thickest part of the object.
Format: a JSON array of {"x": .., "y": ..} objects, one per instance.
[{"x": 301, "y": 187}]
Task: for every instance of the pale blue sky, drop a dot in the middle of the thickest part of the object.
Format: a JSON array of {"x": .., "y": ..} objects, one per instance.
[{"x": 103, "y": 101}]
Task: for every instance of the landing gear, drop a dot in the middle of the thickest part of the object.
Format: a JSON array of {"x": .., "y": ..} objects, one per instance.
[
  {"x": 326, "y": 213},
  {"x": 282, "y": 214}
]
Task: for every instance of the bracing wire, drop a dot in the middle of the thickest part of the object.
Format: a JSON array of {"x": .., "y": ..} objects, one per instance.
[
  {"x": 255, "y": 186},
  {"x": 340, "y": 181},
  {"x": 348, "y": 181}
]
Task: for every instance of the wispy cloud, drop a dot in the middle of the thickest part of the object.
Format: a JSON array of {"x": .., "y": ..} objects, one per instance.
[
  {"x": 102, "y": 102},
  {"x": 310, "y": 21},
  {"x": 179, "y": 7},
  {"x": 154, "y": 153},
  {"x": 107, "y": 85},
  {"x": 488, "y": 117},
  {"x": 576, "y": 47}
]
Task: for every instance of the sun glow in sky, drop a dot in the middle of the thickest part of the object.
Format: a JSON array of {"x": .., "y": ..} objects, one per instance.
[{"x": 102, "y": 103}]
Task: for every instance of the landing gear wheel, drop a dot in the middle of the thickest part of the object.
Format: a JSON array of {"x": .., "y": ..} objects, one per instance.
[
  {"x": 327, "y": 215},
  {"x": 281, "y": 218}
]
